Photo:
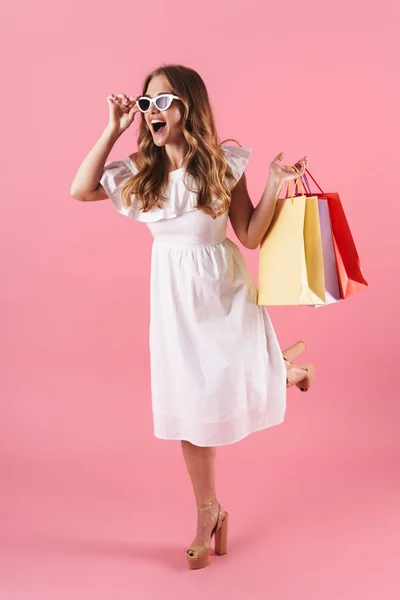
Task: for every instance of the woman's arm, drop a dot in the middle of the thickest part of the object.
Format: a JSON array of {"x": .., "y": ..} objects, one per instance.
[
  {"x": 250, "y": 224},
  {"x": 86, "y": 186}
]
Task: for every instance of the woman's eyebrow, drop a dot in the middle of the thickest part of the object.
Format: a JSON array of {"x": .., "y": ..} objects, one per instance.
[{"x": 158, "y": 94}]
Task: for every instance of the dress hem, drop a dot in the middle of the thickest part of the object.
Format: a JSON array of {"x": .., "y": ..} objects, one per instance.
[{"x": 160, "y": 437}]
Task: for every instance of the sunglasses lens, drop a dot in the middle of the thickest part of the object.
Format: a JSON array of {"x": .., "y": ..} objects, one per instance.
[
  {"x": 144, "y": 104},
  {"x": 163, "y": 102}
]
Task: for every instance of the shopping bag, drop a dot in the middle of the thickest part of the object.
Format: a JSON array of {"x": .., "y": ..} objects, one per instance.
[
  {"x": 291, "y": 265},
  {"x": 332, "y": 289},
  {"x": 350, "y": 275}
]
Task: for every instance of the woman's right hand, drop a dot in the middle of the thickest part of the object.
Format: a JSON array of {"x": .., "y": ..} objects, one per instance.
[{"x": 121, "y": 113}]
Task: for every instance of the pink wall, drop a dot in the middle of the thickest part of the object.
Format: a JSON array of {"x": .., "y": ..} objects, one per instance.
[{"x": 92, "y": 505}]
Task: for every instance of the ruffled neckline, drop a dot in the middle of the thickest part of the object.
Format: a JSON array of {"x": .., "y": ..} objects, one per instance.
[{"x": 180, "y": 200}]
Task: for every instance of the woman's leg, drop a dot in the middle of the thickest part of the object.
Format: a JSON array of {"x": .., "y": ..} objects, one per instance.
[{"x": 200, "y": 463}]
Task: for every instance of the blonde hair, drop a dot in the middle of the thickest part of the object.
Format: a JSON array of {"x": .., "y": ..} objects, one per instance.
[{"x": 204, "y": 161}]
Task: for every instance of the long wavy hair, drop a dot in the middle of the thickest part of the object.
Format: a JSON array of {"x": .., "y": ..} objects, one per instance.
[{"x": 204, "y": 160}]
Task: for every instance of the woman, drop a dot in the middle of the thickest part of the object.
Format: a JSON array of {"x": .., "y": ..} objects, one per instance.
[{"x": 217, "y": 371}]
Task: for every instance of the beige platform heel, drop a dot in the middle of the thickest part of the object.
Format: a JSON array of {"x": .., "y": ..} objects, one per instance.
[
  {"x": 199, "y": 556},
  {"x": 295, "y": 373}
]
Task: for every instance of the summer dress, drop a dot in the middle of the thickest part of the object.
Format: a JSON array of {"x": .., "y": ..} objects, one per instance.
[{"x": 217, "y": 371}]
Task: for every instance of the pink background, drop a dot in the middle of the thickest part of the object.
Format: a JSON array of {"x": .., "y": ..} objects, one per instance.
[{"x": 92, "y": 504}]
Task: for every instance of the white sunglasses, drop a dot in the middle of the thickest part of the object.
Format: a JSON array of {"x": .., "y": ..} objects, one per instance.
[{"x": 162, "y": 102}]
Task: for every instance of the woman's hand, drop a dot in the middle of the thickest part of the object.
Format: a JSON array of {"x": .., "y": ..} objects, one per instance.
[
  {"x": 122, "y": 112},
  {"x": 283, "y": 173}
]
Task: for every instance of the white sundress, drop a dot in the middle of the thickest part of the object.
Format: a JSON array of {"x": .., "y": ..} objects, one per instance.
[{"x": 217, "y": 370}]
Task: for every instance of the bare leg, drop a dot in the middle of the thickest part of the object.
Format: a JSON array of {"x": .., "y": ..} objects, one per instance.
[{"x": 200, "y": 463}]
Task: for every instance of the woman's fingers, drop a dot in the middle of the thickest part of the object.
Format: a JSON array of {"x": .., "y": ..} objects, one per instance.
[
  {"x": 302, "y": 163},
  {"x": 123, "y": 101},
  {"x": 133, "y": 100}
]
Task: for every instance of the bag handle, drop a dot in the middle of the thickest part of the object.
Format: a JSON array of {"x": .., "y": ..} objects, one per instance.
[
  {"x": 306, "y": 181},
  {"x": 295, "y": 188},
  {"x": 297, "y": 168}
]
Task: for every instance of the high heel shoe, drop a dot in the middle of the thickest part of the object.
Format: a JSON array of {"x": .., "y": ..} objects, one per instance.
[
  {"x": 303, "y": 381},
  {"x": 199, "y": 556}
]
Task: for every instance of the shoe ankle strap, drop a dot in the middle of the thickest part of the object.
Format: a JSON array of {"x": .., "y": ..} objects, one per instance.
[{"x": 207, "y": 504}]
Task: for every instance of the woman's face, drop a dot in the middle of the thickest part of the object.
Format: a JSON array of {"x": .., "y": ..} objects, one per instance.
[{"x": 172, "y": 130}]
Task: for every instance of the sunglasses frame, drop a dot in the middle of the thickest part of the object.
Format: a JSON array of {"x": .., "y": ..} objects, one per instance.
[{"x": 154, "y": 100}]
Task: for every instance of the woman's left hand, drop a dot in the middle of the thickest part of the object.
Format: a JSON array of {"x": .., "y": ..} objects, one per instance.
[{"x": 283, "y": 173}]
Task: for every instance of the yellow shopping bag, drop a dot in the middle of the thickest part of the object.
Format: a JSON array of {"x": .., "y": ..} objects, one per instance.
[{"x": 291, "y": 265}]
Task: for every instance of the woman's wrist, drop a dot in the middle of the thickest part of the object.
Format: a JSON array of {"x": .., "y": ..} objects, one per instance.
[
  {"x": 111, "y": 133},
  {"x": 274, "y": 183}
]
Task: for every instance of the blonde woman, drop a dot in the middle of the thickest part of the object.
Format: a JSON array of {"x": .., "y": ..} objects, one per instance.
[{"x": 217, "y": 371}]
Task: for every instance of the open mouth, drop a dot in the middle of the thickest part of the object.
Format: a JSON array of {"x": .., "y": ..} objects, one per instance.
[{"x": 159, "y": 126}]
